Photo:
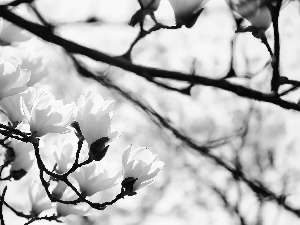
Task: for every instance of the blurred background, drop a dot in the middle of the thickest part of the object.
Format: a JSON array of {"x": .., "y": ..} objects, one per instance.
[{"x": 260, "y": 138}]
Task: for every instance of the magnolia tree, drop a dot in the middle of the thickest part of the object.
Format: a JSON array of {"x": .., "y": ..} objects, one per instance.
[{"x": 83, "y": 128}]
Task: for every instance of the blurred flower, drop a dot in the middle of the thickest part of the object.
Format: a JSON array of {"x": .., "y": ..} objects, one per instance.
[
  {"x": 64, "y": 156},
  {"x": 59, "y": 190},
  {"x": 139, "y": 168},
  {"x": 150, "y": 4},
  {"x": 23, "y": 159},
  {"x": 12, "y": 79},
  {"x": 91, "y": 181},
  {"x": 10, "y": 33},
  {"x": 38, "y": 198},
  {"x": 48, "y": 115},
  {"x": 11, "y": 105},
  {"x": 94, "y": 118},
  {"x": 187, "y": 12},
  {"x": 67, "y": 209},
  {"x": 256, "y": 12},
  {"x": 37, "y": 67}
]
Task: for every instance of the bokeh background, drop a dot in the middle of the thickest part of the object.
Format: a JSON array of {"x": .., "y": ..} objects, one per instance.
[{"x": 261, "y": 137}]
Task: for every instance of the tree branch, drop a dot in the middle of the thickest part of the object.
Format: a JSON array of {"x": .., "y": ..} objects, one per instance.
[
  {"x": 256, "y": 186},
  {"x": 125, "y": 64}
]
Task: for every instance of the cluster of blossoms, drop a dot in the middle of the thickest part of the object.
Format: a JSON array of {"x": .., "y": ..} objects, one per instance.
[
  {"x": 44, "y": 114},
  {"x": 78, "y": 170},
  {"x": 257, "y": 12}
]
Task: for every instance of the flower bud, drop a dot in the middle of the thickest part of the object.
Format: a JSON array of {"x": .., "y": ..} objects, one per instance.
[
  {"x": 261, "y": 19},
  {"x": 98, "y": 149},
  {"x": 187, "y": 12}
]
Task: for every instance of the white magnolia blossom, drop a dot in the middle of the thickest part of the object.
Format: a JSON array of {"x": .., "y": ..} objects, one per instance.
[
  {"x": 38, "y": 67},
  {"x": 92, "y": 180},
  {"x": 150, "y": 4},
  {"x": 64, "y": 157},
  {"x": 59, "y": 189},
  {"x": 48, "y": 115},
  {"x": 11, "y": 105},
  {"x": 12, "y": 79},
  {"x": 140, "y": 164},
  {"x": 66, "y": 209},
  {"x": 94, "y": 117},
  {"x": 186, "y": 11},
  {"x": 10, "y": 33},
  {"x": 38, "y": 198},
  {"x": 23, "y": 155},
  {"x": 256, "y": 12}
]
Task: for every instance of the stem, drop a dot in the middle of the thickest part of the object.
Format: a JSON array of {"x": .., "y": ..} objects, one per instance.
[{"x": 275, "y": 82}]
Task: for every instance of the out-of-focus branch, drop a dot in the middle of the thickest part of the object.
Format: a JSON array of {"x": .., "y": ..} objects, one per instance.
[
  {"x": 275, "y": 82},
  {"x": 125, "y": 64},
  {"x": 18, "y": 2},
  {"x": 256, "y": 186},
  {"x": 295, "y": 85},
  {"x": 232, "y": 208}
]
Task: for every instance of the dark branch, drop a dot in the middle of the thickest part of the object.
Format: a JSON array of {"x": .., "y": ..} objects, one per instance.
[{"x": 125, "y": 64}]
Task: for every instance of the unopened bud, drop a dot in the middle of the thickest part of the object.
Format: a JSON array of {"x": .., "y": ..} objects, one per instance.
[{"x": 98, "y": 149}]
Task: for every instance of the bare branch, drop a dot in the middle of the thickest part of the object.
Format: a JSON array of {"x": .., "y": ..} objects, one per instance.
[{"x": 125, "y": 64}]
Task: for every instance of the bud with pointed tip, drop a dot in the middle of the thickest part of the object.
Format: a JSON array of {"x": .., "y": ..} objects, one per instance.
[{"x": 98, "y": 149}]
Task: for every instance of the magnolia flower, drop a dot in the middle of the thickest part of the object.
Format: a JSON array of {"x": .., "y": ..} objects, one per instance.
[
  {"x": 256, "y": 12},
  {"x": 10, "y": 33},
  {"x": 94, "y": 118},
  {"x": 64, "y": 157},
  {"x": 11, "y": 105},
  {"x": 48, "y": 115},
  {"x": 38, "y": 198},
  {"x": 59, "y": 189},
  {"x": 139, "y": 168},
  {"x": 66, "y": 209},
  {"x": 37, "y": 64},
  {"x": 150, "y": 4},
  {"x": 23, "y": 158},
  {"x": 12, "y": 79},
  {"x": 187, "y": 12},
  {"x": 91, "y": 181}
]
